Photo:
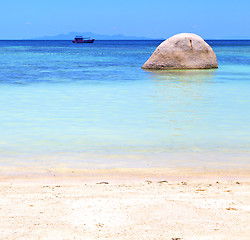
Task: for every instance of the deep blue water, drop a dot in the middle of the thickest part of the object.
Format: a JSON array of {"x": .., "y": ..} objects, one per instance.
[{"x": 92, "y": 105}]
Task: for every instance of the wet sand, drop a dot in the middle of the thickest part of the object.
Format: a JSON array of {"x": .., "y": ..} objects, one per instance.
[{"x": 125, "y": 204}]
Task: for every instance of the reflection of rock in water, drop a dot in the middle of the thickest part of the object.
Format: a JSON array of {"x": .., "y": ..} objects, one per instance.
[{"x": 183, "y": 75}]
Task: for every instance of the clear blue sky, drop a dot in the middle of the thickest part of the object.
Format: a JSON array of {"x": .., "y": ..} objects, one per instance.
[{"x": 21, "y": 19}]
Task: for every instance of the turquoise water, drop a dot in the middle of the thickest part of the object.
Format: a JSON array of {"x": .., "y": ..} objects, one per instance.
[{"x": 91, "y": 105}]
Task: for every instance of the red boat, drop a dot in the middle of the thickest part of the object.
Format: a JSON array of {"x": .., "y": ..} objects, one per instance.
[{"x": 80, "y": 39}]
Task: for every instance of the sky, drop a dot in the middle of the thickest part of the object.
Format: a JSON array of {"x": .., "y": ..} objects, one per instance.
[{"x": 214, "y": 19}]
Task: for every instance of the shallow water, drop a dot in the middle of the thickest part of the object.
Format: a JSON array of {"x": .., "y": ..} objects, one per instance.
[{"x": 91, "y": 105}]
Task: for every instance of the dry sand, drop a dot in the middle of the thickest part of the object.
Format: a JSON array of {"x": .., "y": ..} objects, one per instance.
[{"x": 133, "y": 205}]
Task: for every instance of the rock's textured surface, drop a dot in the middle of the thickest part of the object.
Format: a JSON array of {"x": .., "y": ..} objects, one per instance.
[{"x": 182, "y": 51}]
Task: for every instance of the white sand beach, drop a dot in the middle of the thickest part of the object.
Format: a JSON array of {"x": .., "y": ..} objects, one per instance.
[{"x": 126, "y": 204}]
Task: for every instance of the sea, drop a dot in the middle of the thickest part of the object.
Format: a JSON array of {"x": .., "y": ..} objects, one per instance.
[{"x": 92, "y": 106}]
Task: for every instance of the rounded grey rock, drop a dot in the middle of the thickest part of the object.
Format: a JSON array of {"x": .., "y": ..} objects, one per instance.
[{"x": 182, "y": 51}]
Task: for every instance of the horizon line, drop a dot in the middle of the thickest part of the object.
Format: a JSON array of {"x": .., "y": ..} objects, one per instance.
[
  {"x": 215, "y": 39},
  {"x": 148, "y": 39}
]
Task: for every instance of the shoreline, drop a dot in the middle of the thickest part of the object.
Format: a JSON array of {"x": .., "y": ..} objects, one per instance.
[{"x": 118, "y": 175}]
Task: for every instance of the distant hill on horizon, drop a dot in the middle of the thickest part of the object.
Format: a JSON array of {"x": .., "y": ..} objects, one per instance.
[{"x": 71, "y": 36}]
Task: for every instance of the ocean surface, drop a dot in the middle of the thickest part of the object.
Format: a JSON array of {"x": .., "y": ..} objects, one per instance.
[{"x": 92, "y": 106}]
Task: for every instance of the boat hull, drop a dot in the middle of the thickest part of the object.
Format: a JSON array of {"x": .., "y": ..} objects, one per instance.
[{"x": 84, "y": 41}]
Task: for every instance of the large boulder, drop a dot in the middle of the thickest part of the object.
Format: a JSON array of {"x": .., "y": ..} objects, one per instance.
[{"x": 182, "y": 51}]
